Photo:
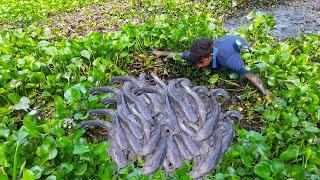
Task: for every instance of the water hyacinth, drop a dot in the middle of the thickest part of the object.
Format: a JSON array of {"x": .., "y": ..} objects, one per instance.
[{"x": 166, "y": 124}]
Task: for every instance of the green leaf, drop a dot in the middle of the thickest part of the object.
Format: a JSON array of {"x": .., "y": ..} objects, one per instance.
[
  {"x": 73, "y": 94},
  {"x": 4, "y": 111},
  {"x": 14, "y": 98},
  {"x": 263, "y": 170},
  {"x": 214, "y": 79},
  {"x": 47, "y": 152},
  {"x": 52, "y": 177},
  {"x": 3, "y": 176},
  {"x": 65, "y": 168},
  {"x": 23, "y": 104},
  {"x": 289, "y": 154},
  {"x": 86, "y": 54},
  {"x": 43, "y": 43},
  {"x": 4, "y": 132},
  {"x": 51, "y": 50},
  {"x": 28, "y": 175},
  {"x": 81, "y": 147},
  {"x": 37, "y": 171},
  {"x": 312, "y": 129},
  {"x": 81, "y": 169}
]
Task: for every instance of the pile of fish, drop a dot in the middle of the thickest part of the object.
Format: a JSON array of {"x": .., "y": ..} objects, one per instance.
[{"x": 166, "y": 124}]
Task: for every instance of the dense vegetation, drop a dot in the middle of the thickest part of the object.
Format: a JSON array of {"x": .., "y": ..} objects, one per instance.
[{"x": 44, "y": 82}]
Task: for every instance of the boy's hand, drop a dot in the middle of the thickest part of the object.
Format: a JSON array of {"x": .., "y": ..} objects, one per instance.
[
  {"x": 158, "y": 54},
  {"x": 161, "y": 54}
]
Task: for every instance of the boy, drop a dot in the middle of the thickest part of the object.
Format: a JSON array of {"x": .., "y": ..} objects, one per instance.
[{"x": 223, "y": 52}]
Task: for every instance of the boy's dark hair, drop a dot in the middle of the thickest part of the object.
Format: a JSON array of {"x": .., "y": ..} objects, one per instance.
[{"x": 200, "y": 48}]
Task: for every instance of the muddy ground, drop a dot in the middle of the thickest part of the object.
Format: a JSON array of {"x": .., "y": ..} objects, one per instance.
[{"x": 293, "y": 18}]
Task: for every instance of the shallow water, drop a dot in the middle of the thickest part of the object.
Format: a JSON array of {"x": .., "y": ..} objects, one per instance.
[{"x": 293, "y": 18}]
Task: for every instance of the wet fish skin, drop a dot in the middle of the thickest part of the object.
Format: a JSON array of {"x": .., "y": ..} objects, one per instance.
[
  {"x": 101, "y": 90},
  {"x": 227, "y": 133},
  {"x": 117, "y": 155},
  {"x": 150, "y": 89},
  {"x": 184, "y": 106},
  {"x": 172, "y": 117},
  {"x": 156, "y": 159},
  {"x": 220, "y": 92},
  {"x": 108, "y": 101},
  {"x": 96, "y": 123},
  {"x": 140, "y": 105},
  {"x": 123, "y": 79},
  {"x": 95, "y": 112},
  {"x": 142, "y": 78},
  {"x": 173, "y": 153},
  {"x": 233, "y": 114},
  {"x": 146, "y": 125},
  {"x": 211, "y": 124},
  {"x": 133, "y": 127},
  {"x": 153, "y": 141},
  {"x": 185, "y": 127},
  {"x": 168, "y": 167},
  {"x": 134, "y": 143},
  {"x": 188, "y": 107},
  {"x": 200, "y": 106},
  {"x": 183, "y": 149},
  {"x": 210, "y": 161},
  {"x": 117, "y": 131},
  {"x": 190, "y": 143},
  {"x": 200, "y": 89},
  {"x": 158, "y": 80}
]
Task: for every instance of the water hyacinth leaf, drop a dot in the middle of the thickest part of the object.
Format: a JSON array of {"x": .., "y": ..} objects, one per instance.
[
  {"x": 47, "y": 152},
  {"x": 214, "y": 79},
  {"x": 4, "y": 111},
  {"x": 86, "y": 54},
  {"x": 52, "y": 50},
  {"x": 65, "y": 168},
  {"x": 289, "y": 154},
  {"x": 43, "y": 43},
  {"x": 81, "y": 169},
  {"x": 4, "y": 132},
  {"x": 37, "y": 171},
  {"x": 3, "y": 176},
  {"x": 28, "y": 175},
  {"x": 52, "y": 177},
  {"x": 23, "y": 104},
  {"x": 263, "y": 170},
  {"x": 73, "y": 94},
  {"x": 14, "y": 98},
  {"x": 2, "y": 90},
  {"x": 312, "y": 129},
  {"x": 81, "y": 147}
]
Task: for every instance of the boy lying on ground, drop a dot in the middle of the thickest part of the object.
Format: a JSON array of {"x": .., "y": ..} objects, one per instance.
[{"x": 220, "y": 53}]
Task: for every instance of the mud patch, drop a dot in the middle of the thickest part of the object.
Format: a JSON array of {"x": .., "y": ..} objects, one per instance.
[
  {"x": 104, "y": 17},
  {"x": 293, "y": 18}
]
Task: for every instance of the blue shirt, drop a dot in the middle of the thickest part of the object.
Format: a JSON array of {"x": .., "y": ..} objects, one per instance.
[{"x": 228, "y": 56}]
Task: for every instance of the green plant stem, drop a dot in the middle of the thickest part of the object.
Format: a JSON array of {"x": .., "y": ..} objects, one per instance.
[{"x": 14, "y": 171}]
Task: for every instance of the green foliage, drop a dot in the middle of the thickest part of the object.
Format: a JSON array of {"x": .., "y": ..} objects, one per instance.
[
  {"x": 44, "y": 82},
  {"x": 25, "y": 12}
]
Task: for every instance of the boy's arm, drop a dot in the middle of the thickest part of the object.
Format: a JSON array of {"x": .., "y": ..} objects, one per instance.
[
  {"x": 169, "y": 54},
  {"x": 255, "y": 80}
]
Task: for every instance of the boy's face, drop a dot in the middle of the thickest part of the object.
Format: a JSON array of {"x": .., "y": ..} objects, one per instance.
[{"x": 205, "y": 62}]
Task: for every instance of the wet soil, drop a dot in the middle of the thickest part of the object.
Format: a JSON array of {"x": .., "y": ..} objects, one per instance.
[
  {"x": 293, "y": 18},
  {"x": 103, "y": 17}
]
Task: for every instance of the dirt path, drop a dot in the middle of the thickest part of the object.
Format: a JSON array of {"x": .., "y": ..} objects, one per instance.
[{"x": 293, "y": 18}]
